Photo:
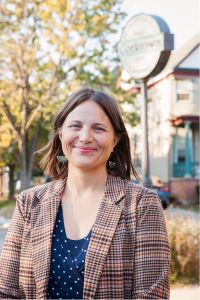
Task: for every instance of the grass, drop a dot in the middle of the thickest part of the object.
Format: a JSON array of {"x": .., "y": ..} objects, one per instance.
[
  {"x": 7, "y": 203},
  {"x": 7, "y": 208}
]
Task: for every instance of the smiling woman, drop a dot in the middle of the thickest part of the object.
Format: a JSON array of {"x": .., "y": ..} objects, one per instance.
[
  {"x": 89, "y": 114},
  {"x": 87, "y": 139},
  {"x": 90, "y": 233}
]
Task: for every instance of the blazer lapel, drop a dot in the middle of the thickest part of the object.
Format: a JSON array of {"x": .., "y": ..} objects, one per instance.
[
  {"x": 102, "y": 233},
  {"x": 42, "y": 221}
]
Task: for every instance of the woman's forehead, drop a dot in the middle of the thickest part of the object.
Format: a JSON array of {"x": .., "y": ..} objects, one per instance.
[{"x": 88, "y": 110}]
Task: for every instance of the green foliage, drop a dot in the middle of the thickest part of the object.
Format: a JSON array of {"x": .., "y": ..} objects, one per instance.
[
  {"x": 8, "y": 144},
  {"x": 49, "y": 49},
  {"x": 126, "y": 100}
]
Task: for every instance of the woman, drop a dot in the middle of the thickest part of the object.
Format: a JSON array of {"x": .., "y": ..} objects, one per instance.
[{"x": 90, "y": 233}]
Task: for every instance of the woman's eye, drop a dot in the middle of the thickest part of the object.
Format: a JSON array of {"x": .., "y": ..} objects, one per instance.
[
  {"x": 99, "y": 129},
  {"x": 75, "y": 126}
]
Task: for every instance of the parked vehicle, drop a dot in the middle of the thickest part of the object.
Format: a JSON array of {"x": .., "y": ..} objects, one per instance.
[{"x": 163, "y": 193}]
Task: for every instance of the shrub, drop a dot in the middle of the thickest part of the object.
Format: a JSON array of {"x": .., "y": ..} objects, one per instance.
[
  {"x": 184, "y": 244},
  {"x": 172, "y": 199}
]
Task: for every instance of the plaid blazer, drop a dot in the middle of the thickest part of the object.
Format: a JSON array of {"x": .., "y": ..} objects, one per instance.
[{"x": 128, "y": 255}]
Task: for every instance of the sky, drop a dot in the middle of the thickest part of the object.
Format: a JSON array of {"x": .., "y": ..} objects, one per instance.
[{"x": 182, "y": 16}]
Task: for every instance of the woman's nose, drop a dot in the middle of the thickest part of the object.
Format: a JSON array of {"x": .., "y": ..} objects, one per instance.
[{"x": 85, "y": 135}]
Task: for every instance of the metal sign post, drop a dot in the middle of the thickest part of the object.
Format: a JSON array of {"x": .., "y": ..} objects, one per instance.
[
  {"x": 145, "y": 154},
  {"x": 144, "y": 50}
]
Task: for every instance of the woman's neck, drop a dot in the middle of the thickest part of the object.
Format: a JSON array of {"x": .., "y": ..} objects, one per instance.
[{"x": 86, "y": 182}]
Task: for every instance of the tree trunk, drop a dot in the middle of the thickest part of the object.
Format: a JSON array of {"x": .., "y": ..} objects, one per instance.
[
  {"x": 25, "y": 182},
  {"x": 32, "y": 148},
  {"x": 26, "y": 158},
  {"x": 11, "y": 185},
  {"x": 23, "y": 162}
]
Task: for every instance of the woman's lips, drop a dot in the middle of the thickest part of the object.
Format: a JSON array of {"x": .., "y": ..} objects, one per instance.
[{"x": 86, "y": 149}]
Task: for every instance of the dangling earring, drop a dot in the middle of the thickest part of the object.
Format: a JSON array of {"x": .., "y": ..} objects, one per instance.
[
  {"x": 111, "y": 164},
  {"x": 62, "y": 159}
]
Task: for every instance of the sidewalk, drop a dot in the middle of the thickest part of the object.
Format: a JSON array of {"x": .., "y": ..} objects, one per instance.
[
  {"x": 2, "y": 237},
  {"x": 191, "y": 292}
]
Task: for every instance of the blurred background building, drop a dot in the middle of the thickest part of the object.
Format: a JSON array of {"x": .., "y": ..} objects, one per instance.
[{"x": 174, "y": 123}]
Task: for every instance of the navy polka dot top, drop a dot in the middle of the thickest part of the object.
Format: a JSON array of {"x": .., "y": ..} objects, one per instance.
[{"x": 67, "y": 263}]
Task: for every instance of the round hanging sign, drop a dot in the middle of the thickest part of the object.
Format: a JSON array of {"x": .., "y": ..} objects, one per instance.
[{"x": 145, "y": 46}]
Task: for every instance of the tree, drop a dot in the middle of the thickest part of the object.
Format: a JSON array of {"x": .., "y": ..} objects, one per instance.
[
  {"x": 8, "y": 153},
  {"x": 48, "y": 49}
]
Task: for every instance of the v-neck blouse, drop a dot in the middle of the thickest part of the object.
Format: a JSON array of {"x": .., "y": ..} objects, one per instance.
[{"x": 67, "y": 263}]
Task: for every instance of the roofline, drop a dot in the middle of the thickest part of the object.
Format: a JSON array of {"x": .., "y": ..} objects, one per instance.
[
  {"x": 188, "y": 72},
  {"x": 180, "y": 120}
]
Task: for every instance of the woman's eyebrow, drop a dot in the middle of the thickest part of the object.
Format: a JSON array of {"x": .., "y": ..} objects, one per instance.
[
  {"x": 75, "y": 121},
  {"x": 99, "y": 124},
  {"x": 93, "y": 124}
]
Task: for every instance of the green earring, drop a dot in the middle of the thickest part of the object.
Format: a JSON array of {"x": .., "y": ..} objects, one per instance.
[
  {"x": 62, "y": 159},
  {"x": 111, "y": 164}
]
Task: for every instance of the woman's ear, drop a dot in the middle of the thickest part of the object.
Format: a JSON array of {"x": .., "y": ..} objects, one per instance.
[
  {"x": 60, "y": 133},
  {"x": 116, "y": 140}
]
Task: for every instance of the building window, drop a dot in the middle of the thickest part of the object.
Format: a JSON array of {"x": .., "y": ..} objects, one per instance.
[
  {"x": 181, "y": 155},
  {"x": 184, "y": 90}
]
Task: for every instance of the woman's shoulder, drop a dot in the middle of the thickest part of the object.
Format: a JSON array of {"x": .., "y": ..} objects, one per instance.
[
  {"x": 136, "y": 193},
  {"x": 35, "y": 195},
  {"x": 132, "y": 186},
  {"x": 40, "y": 189}
]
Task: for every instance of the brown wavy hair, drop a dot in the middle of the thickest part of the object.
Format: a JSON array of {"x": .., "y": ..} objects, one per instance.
[{"x": 121, "y": 154}]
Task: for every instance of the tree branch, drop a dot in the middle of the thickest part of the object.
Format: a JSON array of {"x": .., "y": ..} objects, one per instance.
[
  {"x": 33, "y": 116},
  {"x": 10, "y": 118}
]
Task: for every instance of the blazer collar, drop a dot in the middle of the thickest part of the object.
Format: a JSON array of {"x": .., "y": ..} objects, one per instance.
[
  {"x": 50, "y": 190},
  {"x": 102, "y": 233},
  {"x": 114, "y": 189}
]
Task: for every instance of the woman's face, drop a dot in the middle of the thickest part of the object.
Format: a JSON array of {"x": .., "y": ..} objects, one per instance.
[{"x": 87, "y": 137}]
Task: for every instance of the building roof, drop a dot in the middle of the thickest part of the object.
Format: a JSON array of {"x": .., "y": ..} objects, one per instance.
[
  {"x": 180, "y": 60},
  {"x": 179, "y": 56},
  {"x": 180, "y": 120}
]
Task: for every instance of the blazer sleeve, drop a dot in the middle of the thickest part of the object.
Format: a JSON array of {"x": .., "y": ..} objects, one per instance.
[
  {"x": 10, "y": 255},
  {"x": 152, "y": 253}
]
